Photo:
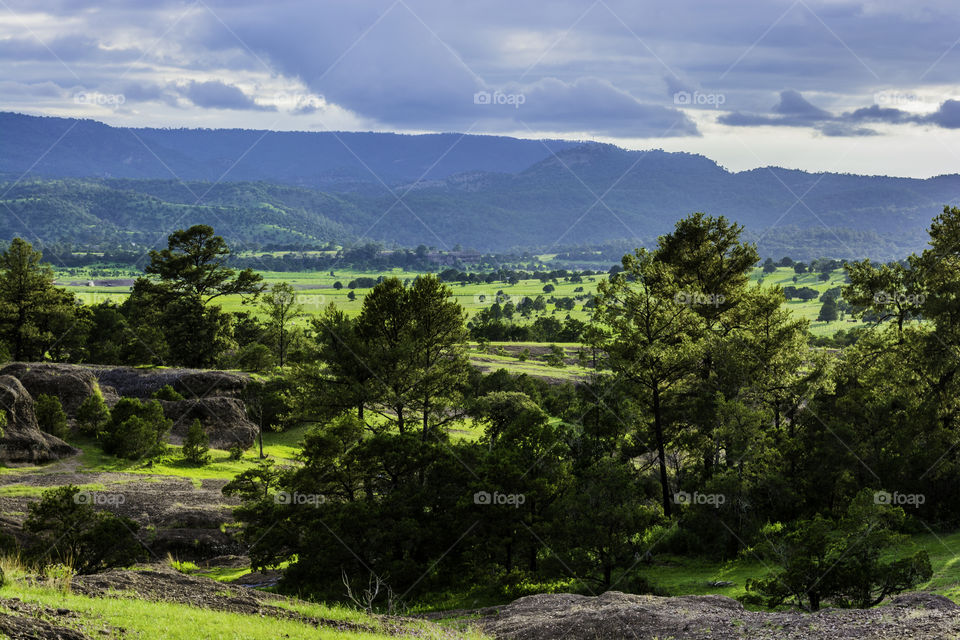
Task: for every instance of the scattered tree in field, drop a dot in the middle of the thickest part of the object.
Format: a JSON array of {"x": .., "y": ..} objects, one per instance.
[
  {"x": 280, "y": 306},
  {"x": 196, "y": 446},
  {"x": 828, "y": 311}
]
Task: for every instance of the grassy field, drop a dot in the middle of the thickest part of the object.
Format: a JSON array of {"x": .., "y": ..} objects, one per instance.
[
  {"x": 316, "y": 290},
  {"x": 123, "y": 616}
]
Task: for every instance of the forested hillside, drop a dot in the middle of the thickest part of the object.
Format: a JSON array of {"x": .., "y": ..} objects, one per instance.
[{"x": 481, "y": 192}]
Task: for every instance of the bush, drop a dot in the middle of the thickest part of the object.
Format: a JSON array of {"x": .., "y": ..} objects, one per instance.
[
  {"x": 236, "y": 452},
  {"x": 255, "y": 357},
  {"x": 846, "y": 562},
  {"x": 196, "y": 446},
  {"x": 168, "y": 393},
  {"x": 50, "y": 415},
  {"x": 67, "y": 530},
  {"x": 136, "y": 429},
  {"x": 93, "y": 416}
]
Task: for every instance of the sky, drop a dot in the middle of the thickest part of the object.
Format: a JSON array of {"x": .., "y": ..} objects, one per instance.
[{"x": 831, "y": 85}]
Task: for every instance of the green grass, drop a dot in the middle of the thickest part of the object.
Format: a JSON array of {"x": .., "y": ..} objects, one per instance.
[
  {"x": 123, "y": 615},
  {"x": 281, "y": 447},
  {"x": 34, "y": 491},
  {"x": 315, "y": 291}
]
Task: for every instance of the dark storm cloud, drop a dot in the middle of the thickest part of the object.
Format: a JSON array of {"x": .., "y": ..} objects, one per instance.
[
  {"x": 794, "y": 110},
  {"x": 218, "y": 95}
]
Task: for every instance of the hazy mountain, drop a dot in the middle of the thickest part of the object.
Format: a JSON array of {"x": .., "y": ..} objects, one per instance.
[
  {"x": 567, "y": 194},
  {"x": 63, "y": 147}
]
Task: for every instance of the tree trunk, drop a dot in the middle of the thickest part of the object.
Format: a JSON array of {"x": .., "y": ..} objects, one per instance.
[{"x": 658, "y": 429}]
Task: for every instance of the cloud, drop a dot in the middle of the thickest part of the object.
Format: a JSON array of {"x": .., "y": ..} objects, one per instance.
[
  {"x": 794, "y": 110},
  {"x": 214, "y": 94},
  {"x": 947, "y": 116},
  {"x": 588, "y": 104}
]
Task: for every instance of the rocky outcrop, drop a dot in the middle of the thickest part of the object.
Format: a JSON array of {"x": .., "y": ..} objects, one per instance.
[
  {"x": 190, "y": 383},
  {"x": 619, "y": 615},
  {"x": 224, "y": 419},
  {"x": 70, "y": 383},
  {"x": 22, "y": 440}
]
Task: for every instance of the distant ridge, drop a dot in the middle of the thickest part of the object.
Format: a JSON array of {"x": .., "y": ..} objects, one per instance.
[{"x": 481, "y": 192}]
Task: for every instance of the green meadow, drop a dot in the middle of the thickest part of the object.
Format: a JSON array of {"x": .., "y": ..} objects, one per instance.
[{"x": 316, "y": 291}]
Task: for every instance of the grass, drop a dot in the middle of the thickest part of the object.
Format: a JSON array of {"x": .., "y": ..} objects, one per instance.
[
  {"x": 34, "y": 491},
  {"x": 315, "y": 291},
  {"x": 681, "y": 575},
  {"x": 281, "y": 447},
  {"x": 123, "y": 615}
]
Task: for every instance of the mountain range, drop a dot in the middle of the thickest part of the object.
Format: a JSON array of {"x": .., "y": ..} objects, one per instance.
[{"x": 89, "y": 183}]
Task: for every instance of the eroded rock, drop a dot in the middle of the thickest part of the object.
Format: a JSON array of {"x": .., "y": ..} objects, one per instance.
[{"x": 22, "y": 439}]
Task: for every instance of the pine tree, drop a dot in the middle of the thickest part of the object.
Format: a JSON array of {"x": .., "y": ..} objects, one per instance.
[{"x": 196, "y": 446}]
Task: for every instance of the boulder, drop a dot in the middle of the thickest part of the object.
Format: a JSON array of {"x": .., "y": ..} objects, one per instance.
[
  {"x": 202, "y": 384},
  {"x": 70, "y": 383},
  {"x": 22, "y": 440},
  {"x": 190, "y": 383},
  {"x": 224, "y": 420}
]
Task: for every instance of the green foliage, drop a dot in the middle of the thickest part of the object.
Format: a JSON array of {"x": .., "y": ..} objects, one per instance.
[
  {"x": 556, "y": 357},
  {"x": 196, "y": 446},
  {"x": 34, "y": 314},
  {"x": 280, "y": 307},
  {"x": 93, "y": 415},
  {"x": 168, "y": 393},
  {"x": 67, "y": 529},
  {"x": 828, "y": 312},
  {"x": 136, "y": 429},
  {"x": 50, "y": 415},
  {"x": 840, "y": 562}
]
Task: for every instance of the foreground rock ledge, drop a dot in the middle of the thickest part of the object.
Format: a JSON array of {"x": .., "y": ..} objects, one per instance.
[{"x": 615, "y": 615}]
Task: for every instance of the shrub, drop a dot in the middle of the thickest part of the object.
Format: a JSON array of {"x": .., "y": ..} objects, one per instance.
[
  {"x": 255, "y": 357},
  {"x": 196, "y": 446},
  {"x": 136, "y": 429},
  {"x": 50, "y": 415},
  {"x": 166, "y": 392},
  {"x": 93, "y": 416},
  {"x": 67, "y": 530},
  {"x": 236, "y": 452},
  {"x": 846, "y": 562}
]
